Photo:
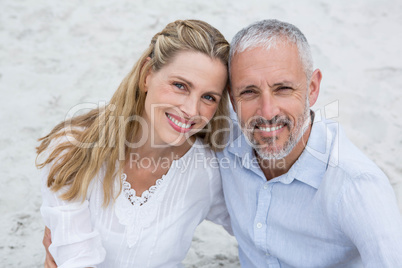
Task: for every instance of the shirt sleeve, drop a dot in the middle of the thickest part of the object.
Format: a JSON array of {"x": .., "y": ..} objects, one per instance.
[
  {"x": 75, "y": 243},
  {"x": 218, "y": 212},
  {"x": 368, "y": 214}
]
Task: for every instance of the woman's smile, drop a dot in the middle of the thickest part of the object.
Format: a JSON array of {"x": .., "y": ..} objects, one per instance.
[{"x": 179, "y": 124}]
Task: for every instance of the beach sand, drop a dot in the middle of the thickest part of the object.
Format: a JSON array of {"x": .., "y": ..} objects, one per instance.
[{"x": 58, "y": 55}]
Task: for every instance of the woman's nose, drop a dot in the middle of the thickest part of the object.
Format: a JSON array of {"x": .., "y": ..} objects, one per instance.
[{"x": 190, "y": 106}]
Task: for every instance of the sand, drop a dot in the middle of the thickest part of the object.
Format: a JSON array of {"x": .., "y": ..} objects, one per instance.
[{"x": 55, "y": 55}]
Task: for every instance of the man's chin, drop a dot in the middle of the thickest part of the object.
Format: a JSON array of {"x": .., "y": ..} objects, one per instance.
[{"x": 270, "y": 153}]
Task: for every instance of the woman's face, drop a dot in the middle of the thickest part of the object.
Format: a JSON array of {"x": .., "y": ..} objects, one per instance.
[{"x": 182, "y": 97}]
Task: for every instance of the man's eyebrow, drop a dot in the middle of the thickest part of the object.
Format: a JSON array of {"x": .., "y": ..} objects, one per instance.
[
  {"x": 283, "y": 83},
  {"x": 244, "y": 87}
]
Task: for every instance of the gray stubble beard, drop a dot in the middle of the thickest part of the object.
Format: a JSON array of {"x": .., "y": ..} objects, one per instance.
[{"x": 303, "y": 122}]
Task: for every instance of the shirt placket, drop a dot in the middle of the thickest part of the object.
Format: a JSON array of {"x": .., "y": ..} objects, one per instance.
[{"x": 261, "y": 220}]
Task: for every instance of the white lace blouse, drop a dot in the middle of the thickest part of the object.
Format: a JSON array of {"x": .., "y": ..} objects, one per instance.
[{"x": 154, "y": 230}]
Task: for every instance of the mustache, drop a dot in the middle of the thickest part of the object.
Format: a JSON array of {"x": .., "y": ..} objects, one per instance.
[{"x": 279, "y": 119}]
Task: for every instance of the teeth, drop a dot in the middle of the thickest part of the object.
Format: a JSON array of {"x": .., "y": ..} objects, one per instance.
[
  {"x": 267, "y": 129},
  {"x": 179, "y": 124}
]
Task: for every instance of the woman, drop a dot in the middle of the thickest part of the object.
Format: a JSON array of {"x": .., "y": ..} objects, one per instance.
[{"x": 127, "y": 184}]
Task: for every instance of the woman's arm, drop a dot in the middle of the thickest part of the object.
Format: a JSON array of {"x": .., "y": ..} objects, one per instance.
[
  {"x": 74, "y": 242},
  {"x": 47, "y": 240}
]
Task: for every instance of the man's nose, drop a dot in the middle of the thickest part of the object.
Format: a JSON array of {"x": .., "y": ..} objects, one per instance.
[{"x": 268, "y": 106}]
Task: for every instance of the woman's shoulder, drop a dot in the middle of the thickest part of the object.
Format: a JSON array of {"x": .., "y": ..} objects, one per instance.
[
  {"x": 199, "y": 153},
  {"x": 200, "y": 160},
  {"x": 201, "y": 147}
]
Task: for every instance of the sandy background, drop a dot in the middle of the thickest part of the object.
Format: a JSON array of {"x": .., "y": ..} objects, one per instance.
[{"x": 57, "y": 54}]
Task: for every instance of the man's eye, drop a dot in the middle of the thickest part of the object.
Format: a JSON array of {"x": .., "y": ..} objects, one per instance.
[
  {"x": 247, "y": 91},
  {"x": 179, "y": 85},
  {"x": 284, "y": 88}
]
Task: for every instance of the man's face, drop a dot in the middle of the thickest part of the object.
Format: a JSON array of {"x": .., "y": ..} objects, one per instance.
[{"x": 271, "y": 97}]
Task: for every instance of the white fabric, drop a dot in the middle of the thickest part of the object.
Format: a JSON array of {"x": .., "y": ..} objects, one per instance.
[{"x": 155, "y": 234}]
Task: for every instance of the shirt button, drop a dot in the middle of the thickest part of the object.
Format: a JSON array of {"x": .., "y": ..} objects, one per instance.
[
  {"x": 259, "y": 225},
  {"x": 266, "y": 186},
  {"x": 267, "y": 254}
]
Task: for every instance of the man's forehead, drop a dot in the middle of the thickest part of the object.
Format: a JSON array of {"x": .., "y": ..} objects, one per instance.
[
  {"x": 259, "y": 57},
  {"x": 280, "y": 65},
  {"x": 276, "y": 46}
]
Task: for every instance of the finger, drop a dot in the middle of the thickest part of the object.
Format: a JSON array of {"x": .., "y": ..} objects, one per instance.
[
  {"x": 49, "y": 257},
  {"x": 47, "y": 240},
  {"x": 49, "y": 263}
]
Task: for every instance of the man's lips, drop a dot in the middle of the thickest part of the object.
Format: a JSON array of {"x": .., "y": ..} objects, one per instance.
[
  {"x": 266, "y": 130},
  {"x": 270, "y": 129}
]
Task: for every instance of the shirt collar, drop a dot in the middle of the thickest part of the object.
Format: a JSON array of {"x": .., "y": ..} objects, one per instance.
[
  {"x": 240, "y": 146},
  {"x": 242, "y": 149},
  {"x": 313, "y": 162}
]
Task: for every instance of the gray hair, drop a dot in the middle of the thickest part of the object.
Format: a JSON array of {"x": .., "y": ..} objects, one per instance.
[{"x": 267, "y": 34}]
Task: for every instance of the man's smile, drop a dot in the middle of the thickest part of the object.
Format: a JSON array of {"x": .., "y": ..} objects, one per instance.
[{"x": 270, "y": 129}]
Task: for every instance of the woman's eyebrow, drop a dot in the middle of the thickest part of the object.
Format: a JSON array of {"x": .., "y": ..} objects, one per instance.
[
  {"x": 214, "y": 93},
  {"x": 184, "y": 79}
]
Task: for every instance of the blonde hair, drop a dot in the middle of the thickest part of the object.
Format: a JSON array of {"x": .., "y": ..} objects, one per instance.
[{"x": 99, "y": 130}]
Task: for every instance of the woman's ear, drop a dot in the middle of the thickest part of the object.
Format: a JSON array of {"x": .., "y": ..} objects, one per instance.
[{"x": 147, "y": 75}]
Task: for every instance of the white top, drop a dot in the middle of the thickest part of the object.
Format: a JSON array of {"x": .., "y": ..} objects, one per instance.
[{"x": 155, "y": 230}]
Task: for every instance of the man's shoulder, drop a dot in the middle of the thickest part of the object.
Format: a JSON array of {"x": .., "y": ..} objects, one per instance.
[
  {"x": 347, "y": 165},
  {"x": 339, "y": 161},
  {"x": 348, "y": 159}
]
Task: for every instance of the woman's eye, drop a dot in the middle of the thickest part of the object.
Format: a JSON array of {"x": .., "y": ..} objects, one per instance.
[
  {"x": 209, "y": 97},
  {"x": 179, "y": 85}
]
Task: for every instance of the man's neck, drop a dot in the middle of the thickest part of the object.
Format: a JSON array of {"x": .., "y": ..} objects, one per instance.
[{"x": 275, "y": 168}]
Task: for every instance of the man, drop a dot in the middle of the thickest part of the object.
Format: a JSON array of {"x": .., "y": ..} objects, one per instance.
[{"x": 299, "y": 193}]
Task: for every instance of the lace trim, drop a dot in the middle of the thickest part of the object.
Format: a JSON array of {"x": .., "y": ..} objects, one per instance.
[{"x": 130, "y": 193}]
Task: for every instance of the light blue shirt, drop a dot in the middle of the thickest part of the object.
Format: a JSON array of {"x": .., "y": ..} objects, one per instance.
[{"x": 333, "y": 208}]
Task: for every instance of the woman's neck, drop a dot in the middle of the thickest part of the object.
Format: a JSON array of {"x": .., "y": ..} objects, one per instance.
[{"x": 155, "y": 152}]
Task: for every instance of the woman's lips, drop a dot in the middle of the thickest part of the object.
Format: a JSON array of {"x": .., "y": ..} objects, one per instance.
[{"x": 179, "y": 124}]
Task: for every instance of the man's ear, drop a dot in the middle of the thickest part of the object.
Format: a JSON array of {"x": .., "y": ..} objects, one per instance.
[
  {"x": 314, "y": 86},
  {"x": 232, "y": 101}
]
